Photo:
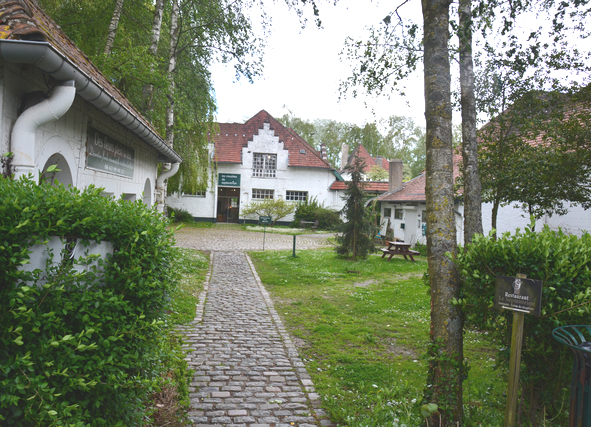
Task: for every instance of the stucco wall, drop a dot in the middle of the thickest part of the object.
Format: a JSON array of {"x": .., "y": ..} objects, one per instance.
[
  {"x": 67, "y": 137},
  {"x": 315, "y": 181}
]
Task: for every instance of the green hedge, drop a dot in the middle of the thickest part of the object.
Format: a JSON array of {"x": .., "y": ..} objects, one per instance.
[
  {"x": 311, "y": 210},
  {"x": 80, "y": 349},
  {"x": 563, "y": 263}
]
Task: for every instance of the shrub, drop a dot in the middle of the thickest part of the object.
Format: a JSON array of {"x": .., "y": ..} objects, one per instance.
[
  {"x": 178, "y": 214},
  {"x": 81, "y": 343},
  {"x": 310, "y": 210},
  {"x": 563, "y": 263}
]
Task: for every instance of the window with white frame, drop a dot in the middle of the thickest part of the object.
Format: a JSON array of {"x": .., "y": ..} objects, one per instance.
[
  {"x": 264, "y": 165},
  {"x": 387, "y": 212},
  {"x": 296, "y": 196},
  {"x": 259, "y": 194},
  {"x": 398, "y": 213},
  {"x": 195, "y": 193}
]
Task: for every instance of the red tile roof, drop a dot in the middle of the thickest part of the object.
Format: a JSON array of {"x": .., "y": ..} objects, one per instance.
[
  {"x": 414, "y": 190},
  {"x": 368, "y": 186},
  {"x": 369, "y": 161},
  {"x": 232, "y": 137}
]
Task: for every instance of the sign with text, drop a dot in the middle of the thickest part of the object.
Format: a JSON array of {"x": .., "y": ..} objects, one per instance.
[
  {"x": 106, "y": 154},
  {"x": 229, "y": 179},
  {"x": 265, "y": 220},
  {"x": 523, "y": 295}
]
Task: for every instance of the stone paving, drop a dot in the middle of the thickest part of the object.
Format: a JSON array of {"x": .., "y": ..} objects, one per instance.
[{"x": 247, "y": 370}]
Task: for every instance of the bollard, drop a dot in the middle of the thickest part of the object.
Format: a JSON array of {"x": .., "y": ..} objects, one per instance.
[{"x": 294, "y": 241}]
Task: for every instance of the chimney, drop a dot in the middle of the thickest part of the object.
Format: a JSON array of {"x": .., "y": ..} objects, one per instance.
[
  {"x": 344, "y": 155},
  {"x": 323, "y": 151},
  {"x": 395, "y": 175}
]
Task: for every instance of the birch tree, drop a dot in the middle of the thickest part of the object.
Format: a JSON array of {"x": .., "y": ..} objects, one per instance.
[{"x": 113, "y": 27}]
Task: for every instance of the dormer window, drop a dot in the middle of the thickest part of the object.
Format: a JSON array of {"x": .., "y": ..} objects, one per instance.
[{"x": 264, "y": 165}]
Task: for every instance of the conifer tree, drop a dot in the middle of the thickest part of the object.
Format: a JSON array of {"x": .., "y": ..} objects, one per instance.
[{"x": 357, "y": 231}]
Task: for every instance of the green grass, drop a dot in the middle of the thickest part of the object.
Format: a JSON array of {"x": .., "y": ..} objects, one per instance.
[
  {"x": 192, "y": 267},
  {"x": 362, "y": 329}
]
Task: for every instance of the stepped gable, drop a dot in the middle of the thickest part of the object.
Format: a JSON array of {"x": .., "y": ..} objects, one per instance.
[
  {"x": 24, "y": 20},
  {"x": 232, "y": 137}
]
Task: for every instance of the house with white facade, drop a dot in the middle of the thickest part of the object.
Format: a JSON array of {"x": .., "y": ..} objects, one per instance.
[
  {"x": 57, "y": 108},
  {"x": 404, "y": 205},
  {"x": 256, "y": 160}
]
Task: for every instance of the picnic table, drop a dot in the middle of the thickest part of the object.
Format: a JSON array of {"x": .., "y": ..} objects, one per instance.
[
  {"x": 312, "y": 224},
  {"x": 399, "y": 248}
]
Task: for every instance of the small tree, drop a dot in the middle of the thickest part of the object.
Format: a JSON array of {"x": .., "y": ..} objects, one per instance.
[
  {"x": 377, "y": 173},
  {"x": 276, "y": 209},
  {"x": 358, "y": 230}
]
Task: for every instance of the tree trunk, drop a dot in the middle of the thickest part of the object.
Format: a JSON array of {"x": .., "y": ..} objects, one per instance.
[
  {"x": 148, "y": 90},
  {"x": 472, "y": 187},
  {"x": 113, "y": 27},
  {"x": 493, "y": 220},
  {"x": 174, "y": 35},
  {"x": 445, "y": 369}
]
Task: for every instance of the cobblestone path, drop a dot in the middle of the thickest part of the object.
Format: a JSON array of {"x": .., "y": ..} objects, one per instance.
[{"x": 248, "y": 372}]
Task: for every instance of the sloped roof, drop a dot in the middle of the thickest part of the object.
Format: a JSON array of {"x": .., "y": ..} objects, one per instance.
[
  {"x": 40, "y": 41},
  {"x": 232, "y": 137},
  {"x": 369, "y": 186},
  {"x": 414, "y": 190},
  {"x": 369, "y": 161}
]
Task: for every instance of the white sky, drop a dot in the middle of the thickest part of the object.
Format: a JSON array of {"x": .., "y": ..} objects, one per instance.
[{"x": 302, "y": 69}]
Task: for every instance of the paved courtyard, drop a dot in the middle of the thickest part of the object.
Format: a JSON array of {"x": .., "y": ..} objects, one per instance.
[{"x": 247, "y": 370}]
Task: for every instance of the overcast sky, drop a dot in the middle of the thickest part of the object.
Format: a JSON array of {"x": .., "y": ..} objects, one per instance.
[{"x": 302, "y": 70}]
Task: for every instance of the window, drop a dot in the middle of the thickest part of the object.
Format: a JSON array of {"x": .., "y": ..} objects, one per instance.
[
  {"x": 398, "y": 213},
  {"x": 296, "y": 196},
  {"x": 387, "y": 212},
  {"x": 424, "y": 216},
  {"x": 197, "y": 193},
  {"x": 264, "y": 165},
  {"x": 262, "y": 194}
]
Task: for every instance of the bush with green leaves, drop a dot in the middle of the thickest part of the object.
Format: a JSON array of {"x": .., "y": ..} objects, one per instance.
[
  {"x": 82, "y": 342},
  {"x": 310, "y": 210},
  {"x": 563, "y": 263},
  {"x": 179, "y": 214}
]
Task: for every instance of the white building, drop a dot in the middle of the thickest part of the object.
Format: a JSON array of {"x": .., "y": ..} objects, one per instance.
[
  {"x": 257, "y": 160},
  {"x": 405, "y": 205},
  {"x": 58, "y": 109}
]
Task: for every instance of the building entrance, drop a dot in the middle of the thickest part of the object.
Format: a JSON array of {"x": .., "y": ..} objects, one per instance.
[{"x": 228, "y": 209}]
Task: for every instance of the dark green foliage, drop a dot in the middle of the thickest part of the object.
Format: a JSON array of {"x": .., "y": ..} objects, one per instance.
[
  {"x": 311, "y": 210},
  {"x": 563, "y": 263},
  {"x": 179, "y": 214},
  {"x": 357, "y": 232},
  {"x": 81, "y": 348}
]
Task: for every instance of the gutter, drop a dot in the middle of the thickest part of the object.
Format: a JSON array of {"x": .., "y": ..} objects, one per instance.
[
  {"x": 22, "y": 139},
  {"x": 50, "y": 61}
]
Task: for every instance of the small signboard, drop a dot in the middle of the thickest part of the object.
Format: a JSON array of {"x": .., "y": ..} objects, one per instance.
[
  {"x": 106, "y": 154},
  {"x": 523, "y": 295},
  {"x": 229, "y": 179},
  {"x": 265, "y": 220}
]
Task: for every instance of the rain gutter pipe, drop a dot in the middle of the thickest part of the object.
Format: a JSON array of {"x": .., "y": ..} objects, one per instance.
[
  {"x": 50, "y": 61},
  {"x": 23, "y": 133}
]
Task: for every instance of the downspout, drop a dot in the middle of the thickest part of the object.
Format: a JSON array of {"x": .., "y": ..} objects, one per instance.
[
  {"x": 22, "y": 139},
  {"x": 160, "y": 187}
]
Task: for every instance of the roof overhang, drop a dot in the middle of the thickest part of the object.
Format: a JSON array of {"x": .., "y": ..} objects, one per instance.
[{"x": 49, "y": 60}]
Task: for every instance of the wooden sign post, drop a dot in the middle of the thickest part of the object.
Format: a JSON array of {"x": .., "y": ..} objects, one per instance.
[{"x": 521, "y": 295}]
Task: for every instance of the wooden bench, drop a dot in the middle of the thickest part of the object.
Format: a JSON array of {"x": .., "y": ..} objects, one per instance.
[{"x": 313, "y": 224}]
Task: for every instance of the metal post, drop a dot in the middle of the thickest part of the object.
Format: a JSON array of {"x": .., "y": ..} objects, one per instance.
[
  {"x": 264, "y": 232},
  {"x": 294, "y": 241},
  {"x": 514, "y": 364}
]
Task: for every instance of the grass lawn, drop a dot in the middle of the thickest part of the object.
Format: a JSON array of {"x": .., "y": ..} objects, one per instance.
[
  {"x": 362, "y": 329},
  {"x": 192, "y": 267}
]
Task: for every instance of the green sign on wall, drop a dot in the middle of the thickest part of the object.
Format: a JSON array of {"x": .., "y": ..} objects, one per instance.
[
  {"x": 229, "y": 179},
  {"x": 106, "y": 154}
]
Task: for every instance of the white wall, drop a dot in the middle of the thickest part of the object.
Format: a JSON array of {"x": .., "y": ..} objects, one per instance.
[
  {"x": 67, "y": 137},
  {"x": 315, "y": 181}
]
